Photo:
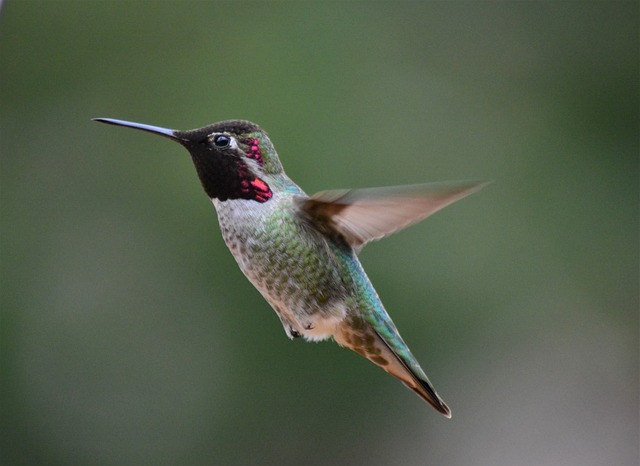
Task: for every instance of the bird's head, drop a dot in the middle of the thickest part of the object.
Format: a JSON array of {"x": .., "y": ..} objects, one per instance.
[{"x": 232, "y": 157}]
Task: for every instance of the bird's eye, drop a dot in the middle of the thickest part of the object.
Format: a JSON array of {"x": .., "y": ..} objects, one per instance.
[{"x": 222, "y": 141}]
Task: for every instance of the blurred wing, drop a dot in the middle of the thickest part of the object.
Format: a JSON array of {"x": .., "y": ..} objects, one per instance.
[{"x": 363, "y": 215}]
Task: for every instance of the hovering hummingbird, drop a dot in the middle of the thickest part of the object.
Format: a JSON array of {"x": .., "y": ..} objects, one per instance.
[{"x": 300, "y": 251}]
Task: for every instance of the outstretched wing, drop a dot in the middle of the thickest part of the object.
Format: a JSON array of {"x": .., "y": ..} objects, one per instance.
[{"x": 363, "y": 215}]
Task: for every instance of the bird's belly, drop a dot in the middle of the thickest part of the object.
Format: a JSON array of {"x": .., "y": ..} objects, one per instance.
[{"x": 292, "y": 268}]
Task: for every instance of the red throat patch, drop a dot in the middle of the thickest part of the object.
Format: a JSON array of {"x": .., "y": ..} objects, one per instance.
[
  {"x": 255, "y": 189},
  {"x": 254, "y": 150},
  {"x": 261, "y": 190}
]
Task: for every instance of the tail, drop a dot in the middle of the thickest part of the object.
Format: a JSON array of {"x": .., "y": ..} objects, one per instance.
[
  {"x": 416, "y": 380},
  {"x": 397, "y": 360}
]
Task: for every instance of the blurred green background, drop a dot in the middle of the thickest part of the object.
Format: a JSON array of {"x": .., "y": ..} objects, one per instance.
[{"x": 128, "y": 334}]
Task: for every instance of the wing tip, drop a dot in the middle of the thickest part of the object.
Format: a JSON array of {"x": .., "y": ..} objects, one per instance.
[{"x": 464, "y": 188}]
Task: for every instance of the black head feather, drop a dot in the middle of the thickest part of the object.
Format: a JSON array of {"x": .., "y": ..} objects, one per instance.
[{"x": 225, "y": 174}]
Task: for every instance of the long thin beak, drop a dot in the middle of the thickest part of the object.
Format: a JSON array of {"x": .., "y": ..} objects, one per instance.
[{"x": 169, "y": 133}]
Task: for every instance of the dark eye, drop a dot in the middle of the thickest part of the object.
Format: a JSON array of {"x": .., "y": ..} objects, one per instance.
[{"x": 222, "y": 141}]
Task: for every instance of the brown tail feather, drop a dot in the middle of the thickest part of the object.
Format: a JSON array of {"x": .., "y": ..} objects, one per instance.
[{"x": 368, "y": 343}]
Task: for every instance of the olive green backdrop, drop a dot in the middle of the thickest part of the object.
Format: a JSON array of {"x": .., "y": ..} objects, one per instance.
[{"x": 128, "y": 334}]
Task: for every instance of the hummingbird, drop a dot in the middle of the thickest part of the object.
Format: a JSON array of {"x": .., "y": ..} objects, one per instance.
[{"x": 300, "y": 251}]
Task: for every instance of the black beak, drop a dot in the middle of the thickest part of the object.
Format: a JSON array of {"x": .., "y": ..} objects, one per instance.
[{"x": 168, "y": 133}]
